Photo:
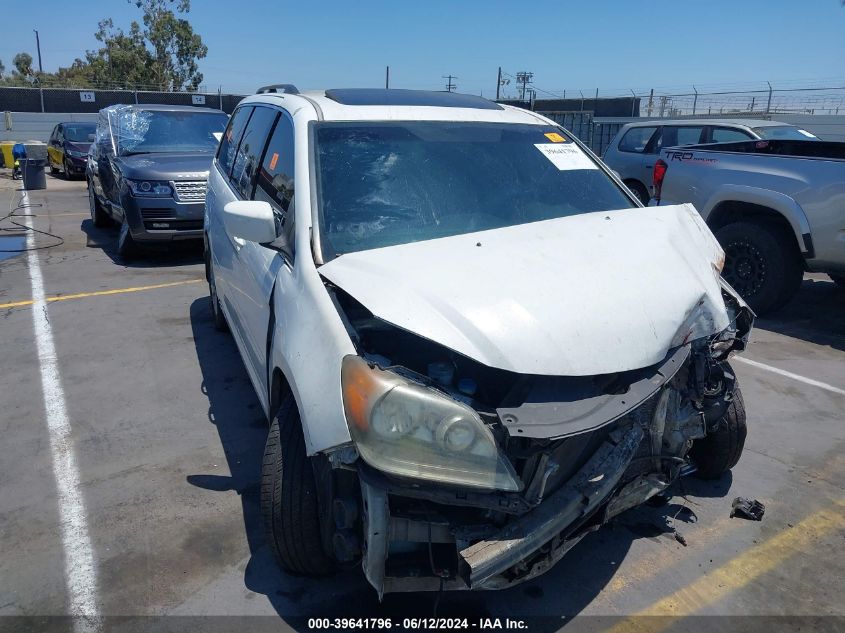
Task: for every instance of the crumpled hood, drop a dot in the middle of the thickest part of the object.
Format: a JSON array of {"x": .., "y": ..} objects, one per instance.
[
  {"x": 589, "y": 294},
  {"x": 166, "y": 166}
]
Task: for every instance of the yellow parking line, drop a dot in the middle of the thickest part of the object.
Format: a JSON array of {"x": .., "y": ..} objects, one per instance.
[
  {"x": 100, "y": 293},
  {"x": 736, "y": 573}
]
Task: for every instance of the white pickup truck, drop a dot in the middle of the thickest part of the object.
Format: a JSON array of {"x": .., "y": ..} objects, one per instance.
[{"x": 777, "y": 208}]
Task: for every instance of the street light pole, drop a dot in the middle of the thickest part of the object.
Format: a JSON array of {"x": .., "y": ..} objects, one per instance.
[{"x": 38, "y": 46}]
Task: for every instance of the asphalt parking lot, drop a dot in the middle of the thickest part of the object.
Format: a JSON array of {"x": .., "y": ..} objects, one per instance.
[{"x": 166, "y": 436}]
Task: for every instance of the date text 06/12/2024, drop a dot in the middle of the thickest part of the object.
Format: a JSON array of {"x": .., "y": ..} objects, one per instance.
[{"x": 481, "y": 624}]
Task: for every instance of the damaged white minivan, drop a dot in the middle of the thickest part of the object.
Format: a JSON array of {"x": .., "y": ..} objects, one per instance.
[{"x": 473, "y": 344}]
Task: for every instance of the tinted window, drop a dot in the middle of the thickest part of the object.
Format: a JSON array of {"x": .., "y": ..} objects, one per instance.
[
  {"x": 231, "y": 138},
  {"x": 79, "y": 132},
  {"x": 672, "y": 136},
  {"x": 786, "y": 132},
  {"x": 728, "y": 135},
  {"x": 250, "y": 148},
  {"x": 636, "y": 139},
  {"x": 381, "y": 184},
  {"x": 275, "y": 177}
]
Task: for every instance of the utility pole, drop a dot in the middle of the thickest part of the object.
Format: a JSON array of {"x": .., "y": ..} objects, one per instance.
[
  {"x": 387, "y": 78},
  {"x": 38, "y": 46},
  {"x": 523, "y": 78},
  {"x": 450, "y": 86},
  {"x": 498, "y": 83}
]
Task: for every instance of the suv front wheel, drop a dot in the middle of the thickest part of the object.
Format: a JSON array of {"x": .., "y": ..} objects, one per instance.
[{"x": 289, "y": 502}]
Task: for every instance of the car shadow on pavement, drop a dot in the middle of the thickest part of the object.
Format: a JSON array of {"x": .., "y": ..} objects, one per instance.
[
  {"x": 815, "y": 315},
  {"x": 565, "y": 591},
  {"x": 181, "y": 253}
]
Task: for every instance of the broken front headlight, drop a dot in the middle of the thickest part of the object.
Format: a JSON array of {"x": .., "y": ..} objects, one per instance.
[{"x": 406, "y": 429}]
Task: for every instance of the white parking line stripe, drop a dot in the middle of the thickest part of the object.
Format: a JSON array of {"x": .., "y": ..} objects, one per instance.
[
  {"x": 80, "y": 573},
  {"x": 789, "y": 374}
]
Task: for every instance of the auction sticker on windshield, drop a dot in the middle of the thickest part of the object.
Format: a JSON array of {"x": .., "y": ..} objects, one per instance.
[{"x": 565, "y": 156}]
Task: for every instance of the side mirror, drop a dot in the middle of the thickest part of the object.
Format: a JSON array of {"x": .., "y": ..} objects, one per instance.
[{"x": 250, "y": 220}]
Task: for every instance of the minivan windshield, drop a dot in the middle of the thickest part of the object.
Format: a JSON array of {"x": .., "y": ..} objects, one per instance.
[
  {"x": 80, "y": 132},
  {"x": 153, "y": 131},
  {"x": 386, "y": 183}
]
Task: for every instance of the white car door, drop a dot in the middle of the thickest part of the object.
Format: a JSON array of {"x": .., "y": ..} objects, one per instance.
[{"x": 263, "y": 170}]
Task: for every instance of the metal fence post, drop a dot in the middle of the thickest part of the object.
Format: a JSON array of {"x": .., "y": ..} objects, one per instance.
[
  {"x": 695, "y": 100},
  {"x": 136, "y": 97},
  {"x": 41, "y": 92},
  {"x": 769, "y": 103}
]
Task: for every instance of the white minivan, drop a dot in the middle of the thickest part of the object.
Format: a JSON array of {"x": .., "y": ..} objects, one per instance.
[{"x": 473, "y": 345}]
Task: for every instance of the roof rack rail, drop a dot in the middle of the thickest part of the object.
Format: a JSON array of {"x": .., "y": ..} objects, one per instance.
[{"x": 283, "y": 88}]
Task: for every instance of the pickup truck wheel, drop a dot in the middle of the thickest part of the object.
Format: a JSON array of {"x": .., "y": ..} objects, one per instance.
[
  {"x": 762, "y": 264},
  {"x": 719, "y": 451},
  {"x": 289, "y": 498},
  {"x": 638, "y": 190},
  {"x": 98, "y": 215},
  {"x": 839, "y": 280}
]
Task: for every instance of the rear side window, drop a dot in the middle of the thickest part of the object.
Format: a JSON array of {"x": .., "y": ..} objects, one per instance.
[
  {"x": 275, "y": 177},
  {"x": 636, "y": 139},
  {"x": 249, "y": 150},
  {"x": 680, "y": 135},
  {"x": 728, "y": 135},
  {"x": 231, "y": 138}
]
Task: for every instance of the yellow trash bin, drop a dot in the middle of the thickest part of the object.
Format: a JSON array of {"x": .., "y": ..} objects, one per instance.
[{"x": 6, "y": 150}]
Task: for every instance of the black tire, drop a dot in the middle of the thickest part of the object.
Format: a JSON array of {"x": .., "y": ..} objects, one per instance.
[
  {"x": 762, "y": 263},
  {"x": 639, "y": 190},
  {"x": 127, "y": 248},
  {"x": 99, "y": 217},
  {"x": 720, "y": 450},
  {"x": 839, "y": 280},
  {"x": 66, "y": 169},
  {"x": 220, "y": 323},
  {"x": 289, "y": 503}
]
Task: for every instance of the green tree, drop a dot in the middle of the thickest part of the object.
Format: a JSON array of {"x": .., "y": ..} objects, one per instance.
[
  {"x": 163, "y": 54},
  {"x": 23, "y": 64},
  {"x": 176, "y": 48},
  {"x": 124, "y": 61},
  {"x": 2, "y": 69}
]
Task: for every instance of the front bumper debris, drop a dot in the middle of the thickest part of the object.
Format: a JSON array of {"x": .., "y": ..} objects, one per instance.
[{"x": 576, "y": 500}]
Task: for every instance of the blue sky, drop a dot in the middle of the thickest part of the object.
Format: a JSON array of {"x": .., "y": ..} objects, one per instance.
[{"x": 612, "y": 45}]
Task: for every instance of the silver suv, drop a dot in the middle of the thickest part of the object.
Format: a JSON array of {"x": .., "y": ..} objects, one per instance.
[
  {"x": 473, "y": 345},
  {"x": 636, "y": 147}
]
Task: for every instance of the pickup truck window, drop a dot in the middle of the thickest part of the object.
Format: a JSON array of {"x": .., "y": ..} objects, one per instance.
[
  {"x": 636, "y": 139},
  {"x": 784, "y": 132},
  {"x": 728, "y": 135},
  {"x": 387, "y": 183},
  {"x": 673, "y": 135}
]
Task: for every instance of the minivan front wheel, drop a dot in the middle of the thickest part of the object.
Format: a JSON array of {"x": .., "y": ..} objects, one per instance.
[
  {"x": 289, "y": 503},
  {"x": 720, "y": 450}
]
